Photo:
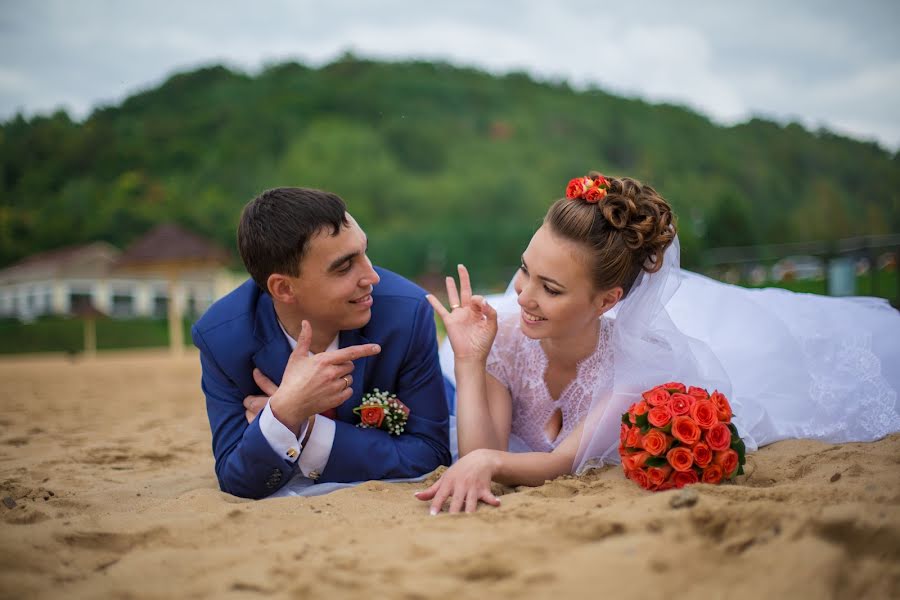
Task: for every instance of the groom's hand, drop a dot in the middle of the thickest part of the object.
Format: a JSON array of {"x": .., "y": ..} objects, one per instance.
[
  {"x": 254, "y": 404},
  {"x": 313, "y": 384}
]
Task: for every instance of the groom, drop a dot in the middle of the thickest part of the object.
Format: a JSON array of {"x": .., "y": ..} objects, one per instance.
[{"x": 315, "y": 329}]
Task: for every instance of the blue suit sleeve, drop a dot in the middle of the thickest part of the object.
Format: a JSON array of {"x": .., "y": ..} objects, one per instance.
[
  {"x": 366, "y": 454},
  {"x": 246, "y": 465}
]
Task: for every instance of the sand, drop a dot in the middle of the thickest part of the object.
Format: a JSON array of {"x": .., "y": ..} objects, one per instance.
[{"x": 108, "y": 490}]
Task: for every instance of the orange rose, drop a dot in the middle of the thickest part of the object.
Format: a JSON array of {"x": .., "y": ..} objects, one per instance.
[
  {"x": 685, "y": 430},
  {"x": 728, "y": 460},
  {"x": 641, "y": 408},
  {"x": 668, "y": 484},
  {"x": 680, "y": 458},
  {"x": 674, "y": 386},
  {"x": 658, "y": 475},
  {"x": 704, "y": 413},
  {"x": 698, "y": 393},
  {"x": 655, "y": 442},
  {"x": 680, "y": 404},
  {"x": 702, "y": 455},
  {"x": 683, "y": 478},
  {"x": 712, "y": 474},
  {"x": 371, "y": 416},
  {"x": 718, "y": 437},
  {"x": 595, "y": 194},
  {"x": 577, "y": 187},
  {"x": 723, "y": 408},
  {"x": 633, "y": 439},
  {"x": 623, "y": 433},
  {"x": 640, "y": 477},
  {"x": 658, "y": 396},
  {"x": 639, "y": 459},
  {"x": 659, "y": 416}
]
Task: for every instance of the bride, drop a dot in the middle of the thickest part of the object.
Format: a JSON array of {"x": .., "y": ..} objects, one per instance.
[{"x": 600, "y": 311}]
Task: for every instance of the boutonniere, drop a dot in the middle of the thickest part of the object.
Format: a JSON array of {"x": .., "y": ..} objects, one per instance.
[{"x": 382, "y": 410}]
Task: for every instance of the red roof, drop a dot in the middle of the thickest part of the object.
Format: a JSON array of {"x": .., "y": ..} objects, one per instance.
[{"x": 170, "y": 243}]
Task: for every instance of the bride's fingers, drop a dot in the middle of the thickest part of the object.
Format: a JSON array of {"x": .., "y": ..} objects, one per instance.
[
  {"x": 471, "y": 500},
  {"x": 488, "y": 498},
  {"x": 439, "y": 499},
  {"x": 465, "y": 285},
  {"x": 489, "y": 311},
  {"x": 438, "y": 307},
  {"x": 457, "y": 503},
  {"x": 428, "y": 493},
  {"x": 452, "y": 294}
]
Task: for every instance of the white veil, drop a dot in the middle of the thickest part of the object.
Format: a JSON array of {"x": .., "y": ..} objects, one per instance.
[{"x": 648, "y": 350}]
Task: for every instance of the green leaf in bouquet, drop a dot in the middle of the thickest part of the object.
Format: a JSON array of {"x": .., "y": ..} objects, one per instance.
[
  {"x": 734, "y": 431},
  {"x": 625, "y": 419},
  {"x": 641, "y": 420},
  {"x": 656, "y": 461},
  {"x": 740, "y": 470},
  {"x": 667, "y": 428}
]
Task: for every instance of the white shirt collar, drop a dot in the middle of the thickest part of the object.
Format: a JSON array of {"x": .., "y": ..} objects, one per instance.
[{"x": 332, "y": 346}]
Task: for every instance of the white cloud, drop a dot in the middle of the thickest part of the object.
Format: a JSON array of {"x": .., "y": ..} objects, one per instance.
[{"x": 818, "y": 63}]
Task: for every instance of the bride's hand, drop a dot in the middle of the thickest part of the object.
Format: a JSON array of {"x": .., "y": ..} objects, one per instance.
[
  {"x": 467, "y": 481},
  {"x": 471, "y": 322}
]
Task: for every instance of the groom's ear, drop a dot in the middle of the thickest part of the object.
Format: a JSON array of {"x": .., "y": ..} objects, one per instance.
[
  {"x": 281, "y": 288},
  {"x": 605, "y": 300}
]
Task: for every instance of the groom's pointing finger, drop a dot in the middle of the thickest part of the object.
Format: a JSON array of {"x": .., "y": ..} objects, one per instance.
[{"x": 351, "y": 353}]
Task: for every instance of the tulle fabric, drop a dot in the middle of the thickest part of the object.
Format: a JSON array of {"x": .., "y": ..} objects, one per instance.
[{"x": 793, "y": 365}]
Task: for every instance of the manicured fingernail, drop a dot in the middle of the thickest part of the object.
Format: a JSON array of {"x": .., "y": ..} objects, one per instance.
[
  {"x": 434, "y": 511},
  {"x": 376, "y": 348}
]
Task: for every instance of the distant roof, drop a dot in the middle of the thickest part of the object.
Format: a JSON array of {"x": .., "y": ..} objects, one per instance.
[
  {"x": 62, "y": 259},
  {"x": 171, "y": 244}
]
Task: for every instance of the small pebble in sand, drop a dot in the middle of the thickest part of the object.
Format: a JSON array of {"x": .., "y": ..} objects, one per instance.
[
  {"x": 835, "y": 477},
  {"x": 684, "y": 499},
  {"x": 9, "y": 502}
]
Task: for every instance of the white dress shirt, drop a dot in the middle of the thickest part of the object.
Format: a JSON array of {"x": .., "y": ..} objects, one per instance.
[{"x": 313, "y": 457}]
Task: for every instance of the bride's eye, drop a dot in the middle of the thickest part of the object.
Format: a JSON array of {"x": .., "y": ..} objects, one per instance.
[
  {"x": 523, "y": 269},
  {"x": 551, "y": 291}
]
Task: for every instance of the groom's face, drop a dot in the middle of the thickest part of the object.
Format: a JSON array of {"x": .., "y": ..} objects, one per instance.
[{"x": 334, "y": 288}]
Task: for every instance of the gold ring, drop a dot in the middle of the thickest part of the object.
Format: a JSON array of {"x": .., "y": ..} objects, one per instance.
[
  {"x": 453, "y": 306},
  {"x": 346, "y": 380}
]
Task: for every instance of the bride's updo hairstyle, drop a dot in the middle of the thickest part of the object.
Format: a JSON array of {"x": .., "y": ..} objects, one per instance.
[{"x": 625, "y": 225}]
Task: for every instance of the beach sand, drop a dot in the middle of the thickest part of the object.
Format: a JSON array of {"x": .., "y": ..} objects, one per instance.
[{"x": 108, "y": 489}]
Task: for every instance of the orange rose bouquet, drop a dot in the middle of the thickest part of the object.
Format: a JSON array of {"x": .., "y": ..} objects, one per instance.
[
  {"x": 678, "y": 435},
  {"x": 382, "y": 410}
]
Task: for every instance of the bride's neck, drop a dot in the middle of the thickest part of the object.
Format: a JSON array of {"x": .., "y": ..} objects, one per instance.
[{"x": 572, "y": 349}]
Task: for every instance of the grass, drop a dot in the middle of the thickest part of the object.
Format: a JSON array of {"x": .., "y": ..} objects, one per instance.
[{"x": 60, "y": 334}]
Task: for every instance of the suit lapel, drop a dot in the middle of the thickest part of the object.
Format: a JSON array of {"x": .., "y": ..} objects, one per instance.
[
  {"x": 360, "y": 365},
  {"x": 274, "y": 350}
]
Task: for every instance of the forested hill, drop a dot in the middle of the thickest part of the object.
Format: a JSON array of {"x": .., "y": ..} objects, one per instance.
[{"x": 440, "y": 164}]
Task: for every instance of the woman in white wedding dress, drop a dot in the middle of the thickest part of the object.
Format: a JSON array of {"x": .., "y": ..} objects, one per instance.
[{"x": 600, "y": 311}]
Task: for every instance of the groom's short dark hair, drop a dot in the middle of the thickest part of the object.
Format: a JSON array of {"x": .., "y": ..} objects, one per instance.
[{"x": 276, "y": 227}]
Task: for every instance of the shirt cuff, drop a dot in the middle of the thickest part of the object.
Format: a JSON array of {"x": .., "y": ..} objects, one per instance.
[
  {"x": 281, "y": 439},
  {"x": 318, "y": 448}
]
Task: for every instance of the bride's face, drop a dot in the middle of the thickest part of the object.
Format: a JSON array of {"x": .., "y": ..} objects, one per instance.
[{"x": 556, "y": 296}]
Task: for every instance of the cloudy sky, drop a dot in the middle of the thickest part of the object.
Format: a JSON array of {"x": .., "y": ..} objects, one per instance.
[{"x": 825, "y": 63}]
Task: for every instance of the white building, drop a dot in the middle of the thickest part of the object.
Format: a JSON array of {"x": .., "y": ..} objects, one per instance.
[{"x": 55, "y": 282}]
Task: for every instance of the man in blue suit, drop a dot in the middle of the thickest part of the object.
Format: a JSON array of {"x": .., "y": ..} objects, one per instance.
[{"x": 289, "y": 354}]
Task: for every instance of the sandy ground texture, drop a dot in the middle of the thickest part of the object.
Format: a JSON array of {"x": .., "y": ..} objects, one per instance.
[{"x": 107, "y": 486}]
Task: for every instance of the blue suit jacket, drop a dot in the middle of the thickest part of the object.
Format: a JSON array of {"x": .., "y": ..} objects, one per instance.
[{"x": 240, "y": 331}]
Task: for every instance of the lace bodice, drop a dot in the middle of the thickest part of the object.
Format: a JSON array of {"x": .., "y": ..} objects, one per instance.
[{"x": 519, "y": 363}]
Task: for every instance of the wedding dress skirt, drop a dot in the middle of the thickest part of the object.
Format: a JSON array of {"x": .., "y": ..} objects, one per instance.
[{"x": 800, "y": 365}]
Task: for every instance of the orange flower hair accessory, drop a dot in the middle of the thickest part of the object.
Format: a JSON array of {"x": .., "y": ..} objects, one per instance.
[{"x": 589, "y": 189}]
